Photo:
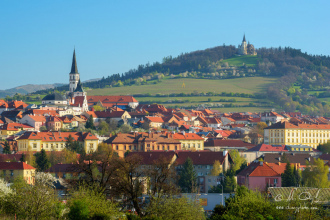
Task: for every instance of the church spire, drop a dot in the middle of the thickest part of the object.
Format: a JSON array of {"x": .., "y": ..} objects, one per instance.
[
  {"x": 74, "y": 68},
  {"x": 244, "y": 38}
]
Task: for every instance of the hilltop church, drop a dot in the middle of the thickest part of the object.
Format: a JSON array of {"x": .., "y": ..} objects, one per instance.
[{"x": 246, "y": 48}]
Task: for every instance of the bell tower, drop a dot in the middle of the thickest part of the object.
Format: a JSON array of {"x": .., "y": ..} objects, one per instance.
[{"x": 74, "y": 75}]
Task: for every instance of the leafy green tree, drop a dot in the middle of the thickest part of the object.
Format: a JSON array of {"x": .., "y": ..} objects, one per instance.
[
  {"x": 325, "y": 148},
  {"x": 103, "y": 128},
  {"x": 216, "y": 170},
  {"x": 188, "y": 177},
  {"x": 172, "y": 208},
  {"x": 125, "y": 128},
  {"x": 316, "y": 174},
  {"x": 288, "y": 177},
  {"x": 90, "y": 123},
  {"x": 91, "y": 203},
  {"x": 6, "y": 148},
  {"x": 74, "y": 146},
  {"x": 237, "y": 159},
  {"x": 23, "y": 158},
  {"x": 229, "y": 181},
  {"x": 42, "y": 160}
]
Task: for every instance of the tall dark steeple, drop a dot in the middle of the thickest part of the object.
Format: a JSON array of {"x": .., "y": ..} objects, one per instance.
[
  {"x": 74, "y": 68},
  {"x": 243, "y": 40}
]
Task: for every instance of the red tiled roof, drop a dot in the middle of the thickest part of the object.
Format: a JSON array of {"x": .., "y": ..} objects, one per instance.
[
  {"x": 155, "y": 119},
  {"x": 200, "y": 157},
  {"x": 187, "y": 136},
  {"x": 57, "y": 136},
  {"x": 149, "y": 158},
  {"x": 258, "y": 169},
  {"x": 15, "y": 166},
  {"x": 267, "y": 147},
  {"x": 227, "y": 143},
  {"x": 286, "y": 125}
]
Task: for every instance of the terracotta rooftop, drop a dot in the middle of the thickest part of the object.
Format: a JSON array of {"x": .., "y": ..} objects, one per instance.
[
  {"x": 15, "y": 166},
  {"x": 256, "y": 169},
  {"x": 200, "y": 157}
]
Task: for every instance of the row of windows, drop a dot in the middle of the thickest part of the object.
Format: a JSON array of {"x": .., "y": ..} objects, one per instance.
[
  {"x": 306, "y": 140},
  {"x": 159, "y": 147},
  {"x": 192, "y": 145}
]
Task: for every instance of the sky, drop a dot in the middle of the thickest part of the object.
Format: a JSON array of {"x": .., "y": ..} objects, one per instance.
[{"x": 37, "y": 38}]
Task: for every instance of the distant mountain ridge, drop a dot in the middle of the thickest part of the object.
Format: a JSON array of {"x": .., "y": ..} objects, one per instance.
[{"x": 30, "y": 88}]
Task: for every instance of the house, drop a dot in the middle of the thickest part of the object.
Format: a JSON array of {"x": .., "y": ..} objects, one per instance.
[
  {"x": 13, "y": 128},
  {"x": 55, "y": 141},
  {"x": 272, "y": 117},
  {"x": 301, "y": 159},
  {"x": 141, "y": 142},
  {"x": 64, "y": 171},
  {"x": 149, "y": 158},
  {"x": 12, "y": 170},
  {"x": 258, "y": 176},
  {"x": 34, "y": 121},
  {"x": 53, "y": 123},
  {"x": 203, "y": 164},
  {"x": 154, "y": 122},
  {"x": 12, "y": 105},
  {"x": 189, "y": 140},
  {"x": 222, "y": 144}
]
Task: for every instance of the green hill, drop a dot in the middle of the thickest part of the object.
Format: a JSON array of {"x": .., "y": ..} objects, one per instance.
[
  {"x": 247, "y": 85},
  {"x": 227, "y": 95}
]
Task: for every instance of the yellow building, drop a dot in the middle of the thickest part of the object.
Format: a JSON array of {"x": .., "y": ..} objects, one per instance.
[
  {"x": 12, "y": 170},
  {"x": 189, "y": 141},
  {"x": 13, "y": 128},
  {"x": 285, "y": 133},
  {"x": 50, "y": 141}
]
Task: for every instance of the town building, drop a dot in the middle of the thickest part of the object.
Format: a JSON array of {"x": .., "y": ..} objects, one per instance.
[
  {"x": 135, "y": 141},
  {"x": 189, "y": 141},
  {"x": 55, "y": 141},
  {"x": 285, "y": 133},
  {"x": 10, "y": 171}
]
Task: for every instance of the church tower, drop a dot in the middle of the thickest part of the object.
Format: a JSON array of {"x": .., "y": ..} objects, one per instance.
[
  {"x": 242, "y": 49},
  {"x": 74, "y": 75}
]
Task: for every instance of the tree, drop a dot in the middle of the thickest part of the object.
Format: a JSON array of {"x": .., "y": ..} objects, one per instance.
[
  {"x": 229, "y": 181},
  {"x": 74, "y": 146},
  {"x": 103, "y": 128},
  {"x": 316, "y": 174},
  {"x": 162, "y": 177},
  {"x": 216, "y": 170},
  {"x": 238, "y": 161},
  {"x": 91, "y": 203},
  {"x": 23, "y": 158},
  {"x": 113, "y": 124},
  {"x": 6, "y": 149},
  {"x": 90, "y": 123},
  {"x": 43, "y": 128},
  {"x": 38, "y": 201},
  {"x": 325, "y": 148},
  {"x": 288, "y": 177},
  {"x": 188, "y": 177},
  {"x": 171, "y": 208},
  {"x": 125, "y": 128},
  {"x": 42, "y": 161}
]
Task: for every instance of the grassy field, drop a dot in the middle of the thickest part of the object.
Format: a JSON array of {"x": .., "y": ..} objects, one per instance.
[
  {"x": 243, "y": 109},
  {"x": 249, "y": 60},
  {"x": 248, "y": 85}
]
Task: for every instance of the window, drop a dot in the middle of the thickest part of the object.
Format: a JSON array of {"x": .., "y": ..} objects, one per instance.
[
  {"x": 125, "y": 147},
  {"x": 34, "y": 145},
  {"x": 117, "y": 147},
  {"x": 130, "y": 147},
  {"x": 91, "y": 146},
  {"x": 199, "y": 145},
  {"x": 12, "y": 173},
  {"x": 56, "y": 145},
  {"x": 176, "y": 147},
  {"x": 62, "y": 146},
  {"x": 275, "y": 180}
]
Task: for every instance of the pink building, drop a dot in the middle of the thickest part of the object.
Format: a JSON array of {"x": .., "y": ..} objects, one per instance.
[{"x": 258, "y": 176}]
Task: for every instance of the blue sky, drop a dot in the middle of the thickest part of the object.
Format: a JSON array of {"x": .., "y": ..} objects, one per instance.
[{"x": 37, "y": 37}]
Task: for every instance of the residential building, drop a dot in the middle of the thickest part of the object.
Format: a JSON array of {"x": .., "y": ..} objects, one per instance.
[
  {"x": 189, "y": 141},
  {"x": 203, "y": 164},
  {"x": 285, "y": 133},
  {"x": 258, "y": 176},
  {"x": 55, "y": 141},
  {"x": 121, "y": 143},
  {"x": 12, "y": 170}
]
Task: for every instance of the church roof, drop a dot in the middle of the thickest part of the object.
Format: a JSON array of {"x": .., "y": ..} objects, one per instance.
[
  {"x": 79, "y": 87},
  {"x": 74, "y": 68},
  {"x": 244, "y": 38}
]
